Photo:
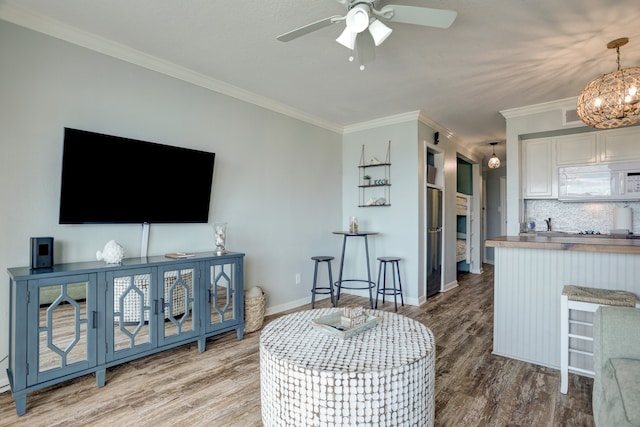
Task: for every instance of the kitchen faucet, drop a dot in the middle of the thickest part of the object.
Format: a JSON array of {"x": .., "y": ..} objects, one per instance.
[{"x": 548, "y": 221}]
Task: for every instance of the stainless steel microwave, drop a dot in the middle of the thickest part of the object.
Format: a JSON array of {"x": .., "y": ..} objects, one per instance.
[{"x": 610, "y": 182}]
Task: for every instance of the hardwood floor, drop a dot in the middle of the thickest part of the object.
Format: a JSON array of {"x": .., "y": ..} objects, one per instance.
[{"x": 221, "y": 387}]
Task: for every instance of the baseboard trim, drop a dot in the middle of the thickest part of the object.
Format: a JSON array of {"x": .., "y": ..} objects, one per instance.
[
  {"x": 451, "y": 285},
  {"x": 303, "y": 301}
]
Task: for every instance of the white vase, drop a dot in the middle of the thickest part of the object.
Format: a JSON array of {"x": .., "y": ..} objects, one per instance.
[{"x": 220, "y": 236}]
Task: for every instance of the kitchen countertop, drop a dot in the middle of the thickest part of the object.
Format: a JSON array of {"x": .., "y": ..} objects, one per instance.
[
  {"x": 581, "y": 234},
  {"x": 583, "y": 243}
]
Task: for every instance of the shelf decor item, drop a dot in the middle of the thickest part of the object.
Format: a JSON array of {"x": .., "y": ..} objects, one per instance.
[
  {"x": 374, "y": 180},
  {"x": 351, "y": 321},
  {"x": 374, "y": 162},
  {"x": 377, "y": 202},
  {"x": 113, "y": 253},
  {"x": 353, "y": 225},
  {"x": 220, "y": 236}
]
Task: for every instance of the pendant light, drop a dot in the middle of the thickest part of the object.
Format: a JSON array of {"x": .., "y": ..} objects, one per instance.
[
  {"x": 611, "y": 101},
  {"x": 494, "y": 161}
]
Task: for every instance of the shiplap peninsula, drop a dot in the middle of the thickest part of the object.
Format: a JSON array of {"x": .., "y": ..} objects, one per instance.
[{"x": 530, "y": 272}]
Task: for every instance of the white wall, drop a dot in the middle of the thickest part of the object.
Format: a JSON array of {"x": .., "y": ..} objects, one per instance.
[
  {"x": 398, "y": 223},
  {"x": 277, "y": 180},
  {"x": 401, "y": 225}
]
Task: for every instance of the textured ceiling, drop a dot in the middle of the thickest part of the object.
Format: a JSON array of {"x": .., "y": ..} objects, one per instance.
[{"x": 497, "y": 55}]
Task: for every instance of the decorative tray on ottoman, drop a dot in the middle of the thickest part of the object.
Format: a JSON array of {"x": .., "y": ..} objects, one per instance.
[{"x": 352, "y": 321}]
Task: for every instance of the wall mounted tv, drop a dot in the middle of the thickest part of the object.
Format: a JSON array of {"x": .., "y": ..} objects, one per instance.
[{"x": 109, "y": 179}]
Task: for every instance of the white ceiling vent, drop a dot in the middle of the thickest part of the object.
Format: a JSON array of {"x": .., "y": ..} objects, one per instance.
[{"x": 570, "y": 116}]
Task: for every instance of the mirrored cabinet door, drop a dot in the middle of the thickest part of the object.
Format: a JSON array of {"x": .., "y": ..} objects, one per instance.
[
  {"x": 177, "y": 303},
  {"x": 66, "y": 335},
  {"x": 223, "y": 285},
  {"x": 134, "y": 307}
]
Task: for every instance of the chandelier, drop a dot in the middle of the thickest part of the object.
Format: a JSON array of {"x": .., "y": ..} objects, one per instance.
[
  {"x": 494, "y": 161},
  {"x": 611, "y": 101}
]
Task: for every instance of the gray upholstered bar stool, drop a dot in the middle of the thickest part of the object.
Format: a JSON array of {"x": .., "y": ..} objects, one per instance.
[
  {"x": 321, "y": 289},
  {"x": 576, "y": 328},
  {"x": 382, "y": 274}
]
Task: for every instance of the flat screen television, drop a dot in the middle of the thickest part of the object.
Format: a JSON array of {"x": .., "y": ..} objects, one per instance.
[{"x": 110, "y": 179}]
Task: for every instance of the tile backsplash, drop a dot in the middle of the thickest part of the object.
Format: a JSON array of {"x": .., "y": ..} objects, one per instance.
[{"x": 580, "y": 216}]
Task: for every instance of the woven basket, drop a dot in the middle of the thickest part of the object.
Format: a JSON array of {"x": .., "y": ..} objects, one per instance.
[{"x": 254, "y": 312}]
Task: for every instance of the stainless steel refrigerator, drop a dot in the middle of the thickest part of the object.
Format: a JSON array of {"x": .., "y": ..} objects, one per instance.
[{"x": 434, "y": 241}]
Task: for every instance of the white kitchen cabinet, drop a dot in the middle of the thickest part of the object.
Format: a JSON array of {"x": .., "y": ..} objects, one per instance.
[
  {"x": 543, "y": 156},
  {"x": 540, "y": 171},
  {"x": 620, "y": 145},
  {"x": 578, "y": 149}
]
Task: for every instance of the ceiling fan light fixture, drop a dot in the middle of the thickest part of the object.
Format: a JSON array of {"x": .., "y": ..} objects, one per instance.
[
  {"x": 358, "y": 18},
  {"x": 379, "y": 31},
  {"x": 494, "y": 161},
  {"x": 347, "y": 38},
  {"x": 611, "y": 101}
]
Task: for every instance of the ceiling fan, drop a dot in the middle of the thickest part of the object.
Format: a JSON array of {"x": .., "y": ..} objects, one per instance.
[{"x": 362, "y": 15}]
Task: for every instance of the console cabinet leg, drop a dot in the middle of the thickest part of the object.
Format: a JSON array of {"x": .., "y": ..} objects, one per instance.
[
  {"x": 101, "y": 375},
  {"x": 202, "y": 345},
  {"x": 21, "y": 405},
  {"x": 240, "y": 332}
]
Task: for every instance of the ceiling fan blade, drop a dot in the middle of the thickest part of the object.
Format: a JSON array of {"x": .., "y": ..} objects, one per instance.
[
  {"x": 314, "y": 26},
  {"x": 439, "y": 18},
  {"x": 365, "y": 47}
]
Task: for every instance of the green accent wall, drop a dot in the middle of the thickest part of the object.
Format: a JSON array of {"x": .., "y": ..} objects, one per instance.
[{"x": 465, "y": 177}]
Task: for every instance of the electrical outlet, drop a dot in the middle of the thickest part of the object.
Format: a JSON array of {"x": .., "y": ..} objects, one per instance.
[{"x": 297, "y": 278}]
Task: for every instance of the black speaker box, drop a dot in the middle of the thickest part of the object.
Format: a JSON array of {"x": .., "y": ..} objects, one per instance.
[{"x": 41, "y": 252}]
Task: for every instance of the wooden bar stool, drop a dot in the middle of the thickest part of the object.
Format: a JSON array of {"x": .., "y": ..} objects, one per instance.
[
  {"x": 322, "y": 290},
  {"x": 382, "y": 274},
  {"x": 576, "y": 329}
]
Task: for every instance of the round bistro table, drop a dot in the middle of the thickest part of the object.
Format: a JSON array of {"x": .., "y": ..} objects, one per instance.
[
  {"x": 384, "y": 376},
  {"x": 366, "y": 283}
]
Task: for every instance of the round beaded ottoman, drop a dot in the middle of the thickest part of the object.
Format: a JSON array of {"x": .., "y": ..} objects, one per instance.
[{"x": 384, "y": 376}]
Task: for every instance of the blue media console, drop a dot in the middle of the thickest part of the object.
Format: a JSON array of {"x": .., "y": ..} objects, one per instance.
[{"x": 82, "y": 318}]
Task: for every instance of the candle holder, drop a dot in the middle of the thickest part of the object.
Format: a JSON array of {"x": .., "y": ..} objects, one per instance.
[{"x": 353, "y": 225}]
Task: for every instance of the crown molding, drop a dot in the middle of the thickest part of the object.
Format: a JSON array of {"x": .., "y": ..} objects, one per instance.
[
  {"x": 12, "y": 12},
  {"x": 471, "y": 151},
  {"x": 411, "y": 116},
  {"x": 418, "y": 116},
  {"x": 384, "y": 121},
  {"x": 560, "y": 104},
  {"x": 444, "y": 131}
]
